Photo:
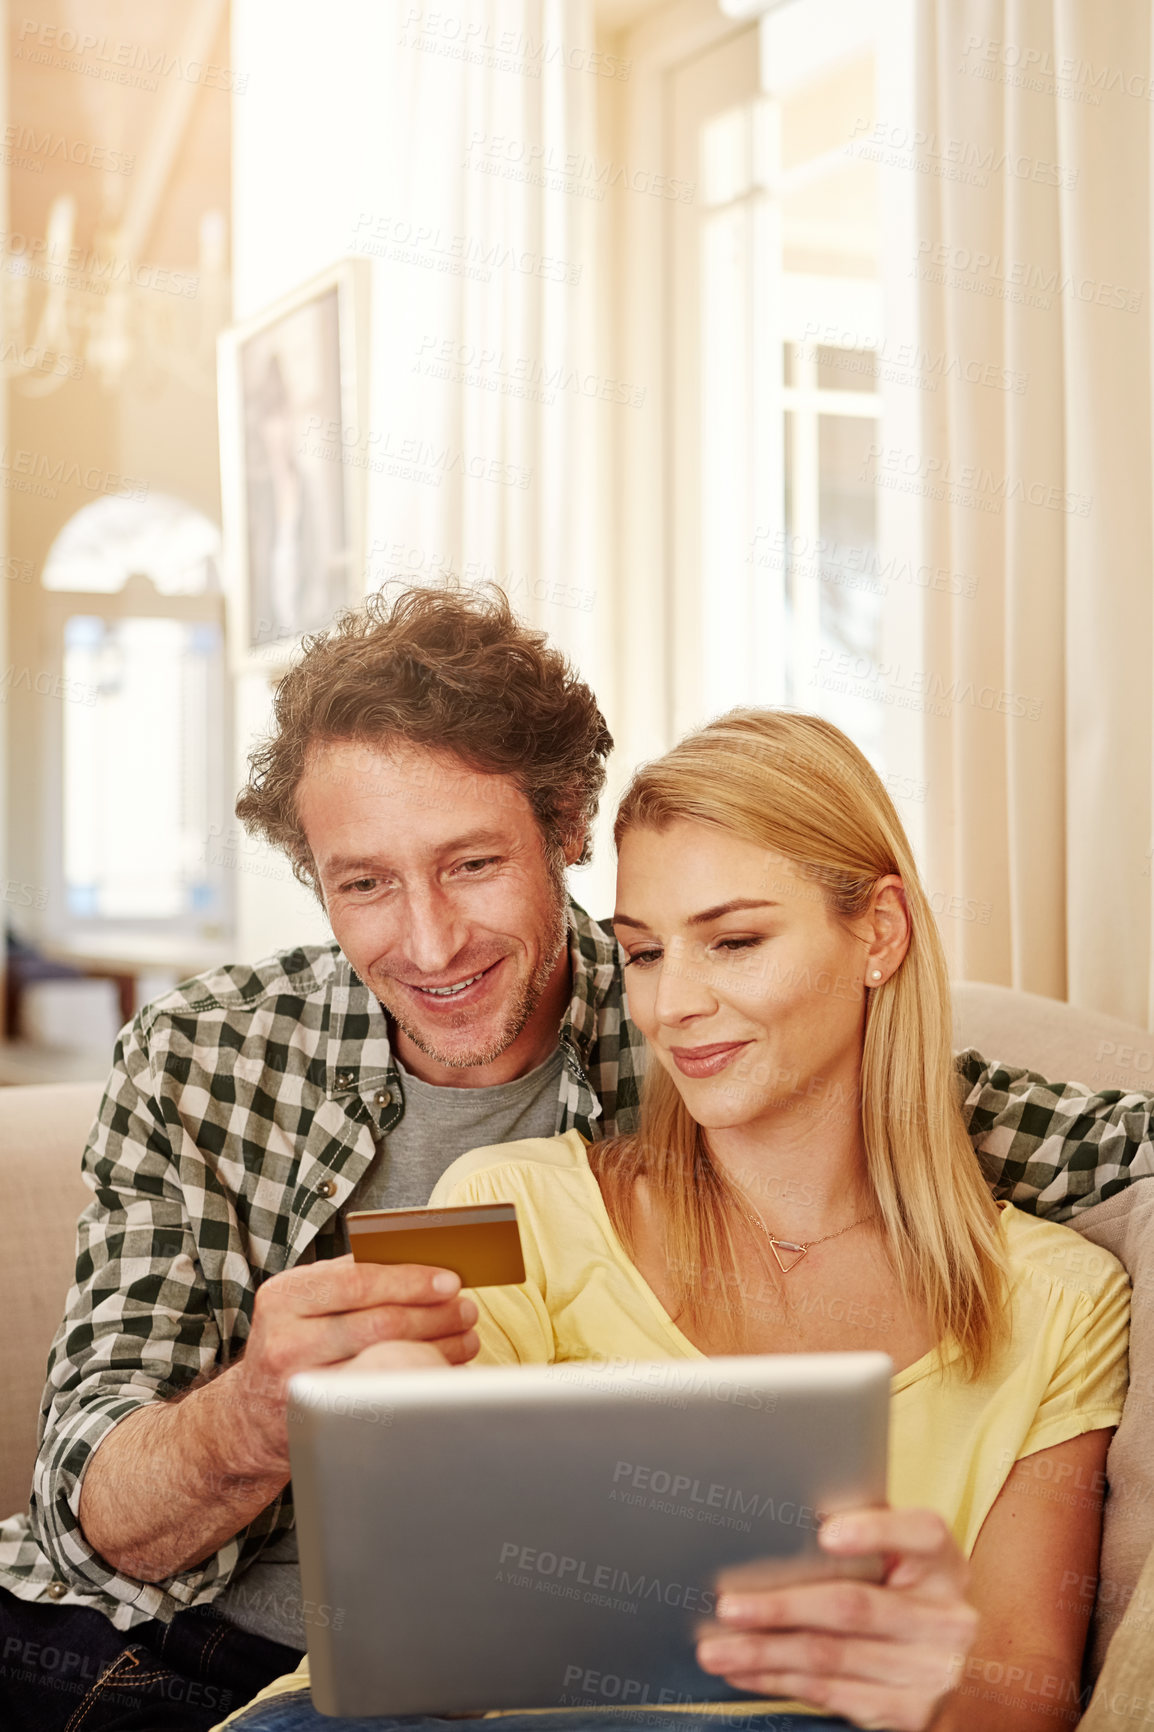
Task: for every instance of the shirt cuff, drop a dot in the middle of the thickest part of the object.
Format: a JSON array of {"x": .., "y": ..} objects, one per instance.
[{"x": 55, "y": 1512}]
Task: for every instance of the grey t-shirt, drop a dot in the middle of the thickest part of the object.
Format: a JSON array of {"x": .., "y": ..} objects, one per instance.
[{"x": 438, "y": 1125}]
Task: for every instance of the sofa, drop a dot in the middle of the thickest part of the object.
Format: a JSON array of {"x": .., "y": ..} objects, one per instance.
[{"x": 43, "y": 1130}]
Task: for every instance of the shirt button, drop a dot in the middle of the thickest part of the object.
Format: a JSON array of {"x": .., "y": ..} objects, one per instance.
[
  {"x": 384, "y": 1098},
  {"x": 327, "y": 1188},
  {"x": 56, "y": 1590},
  {"x": 346, "y": 1079}
]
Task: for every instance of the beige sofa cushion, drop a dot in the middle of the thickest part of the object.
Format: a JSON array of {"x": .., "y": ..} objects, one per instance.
[
  {"x": 42, "y": 1136},
  {"x": 1125, "y": 1225},
  {"x": 1064, "y": 1043}
]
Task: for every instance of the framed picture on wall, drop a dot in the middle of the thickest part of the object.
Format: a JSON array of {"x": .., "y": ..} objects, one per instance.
[{"x": 293, "y": 407}]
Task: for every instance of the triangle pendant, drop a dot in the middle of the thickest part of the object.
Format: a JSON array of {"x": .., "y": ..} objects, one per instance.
[{"x": 777, "y": 1246}]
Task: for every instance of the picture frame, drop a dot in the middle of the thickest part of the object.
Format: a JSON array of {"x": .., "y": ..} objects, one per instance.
[{"x": 293, "y": 403}]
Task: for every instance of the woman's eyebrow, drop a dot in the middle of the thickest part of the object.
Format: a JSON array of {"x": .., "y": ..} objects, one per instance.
[{"x": 737, "y": 906}]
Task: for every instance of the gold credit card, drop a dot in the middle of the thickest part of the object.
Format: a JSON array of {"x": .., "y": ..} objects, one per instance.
[{"x": 477, "y": 1241}]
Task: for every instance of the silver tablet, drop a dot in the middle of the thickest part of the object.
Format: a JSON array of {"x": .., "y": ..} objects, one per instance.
[{"x": 555, "y": 1536}]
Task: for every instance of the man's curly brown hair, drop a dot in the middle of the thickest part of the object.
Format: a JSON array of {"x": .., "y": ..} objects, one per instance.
[{"x": 452, "y": 670}]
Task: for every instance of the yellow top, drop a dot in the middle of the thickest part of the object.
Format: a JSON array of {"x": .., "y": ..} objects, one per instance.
[{"x": 952, "y": 1441}]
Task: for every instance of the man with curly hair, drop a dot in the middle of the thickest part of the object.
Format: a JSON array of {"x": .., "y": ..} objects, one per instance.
[{"x": 433, "y": 769}]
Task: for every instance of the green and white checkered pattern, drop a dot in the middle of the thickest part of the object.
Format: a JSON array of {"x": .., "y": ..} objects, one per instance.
[{"x": 1054, "y": 1149}]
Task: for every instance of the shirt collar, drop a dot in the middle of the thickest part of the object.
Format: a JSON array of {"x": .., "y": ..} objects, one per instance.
[
  {"x": 359, "y": 1056},
  {"x": 595, "y": 973}
]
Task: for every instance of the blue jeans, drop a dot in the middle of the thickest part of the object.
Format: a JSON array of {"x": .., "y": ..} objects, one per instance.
[
  {"x": 64, "y": 1666},
  {"x": 295, "y": 1713}
]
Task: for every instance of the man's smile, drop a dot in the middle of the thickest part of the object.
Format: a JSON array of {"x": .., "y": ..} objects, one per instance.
[
  {"x": 465, "y": 990},
  {"x": 444, "y": 991}
]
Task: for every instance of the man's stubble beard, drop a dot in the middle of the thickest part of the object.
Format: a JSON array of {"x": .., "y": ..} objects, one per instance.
[{"x": 527, "y": 999}]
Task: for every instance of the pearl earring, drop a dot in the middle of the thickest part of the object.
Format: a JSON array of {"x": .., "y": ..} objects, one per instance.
[{"x": 877, "y": 974}]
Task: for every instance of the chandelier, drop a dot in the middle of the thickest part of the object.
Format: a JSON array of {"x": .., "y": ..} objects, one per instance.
[{"x": 69, "y": 310}]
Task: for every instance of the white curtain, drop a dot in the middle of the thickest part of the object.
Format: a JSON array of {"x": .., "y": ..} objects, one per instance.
[
  {"x": 485, "y": 357},
  {"x": 1034, "y": 266}
]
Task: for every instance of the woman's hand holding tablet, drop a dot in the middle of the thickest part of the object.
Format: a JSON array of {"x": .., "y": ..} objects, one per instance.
[{"x": 881, "y": 1655}]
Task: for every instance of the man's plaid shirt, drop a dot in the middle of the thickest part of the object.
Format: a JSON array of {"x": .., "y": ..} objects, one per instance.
[{"x": 243, "y": 1108}]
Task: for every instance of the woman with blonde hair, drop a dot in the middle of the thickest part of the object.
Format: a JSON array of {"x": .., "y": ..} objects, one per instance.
[{"x": 801, "y": 1181}]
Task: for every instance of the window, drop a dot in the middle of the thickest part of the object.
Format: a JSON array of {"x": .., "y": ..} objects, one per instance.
[
  {"x": 777, "y": 333},
  {"x": 140, "y": 745}
]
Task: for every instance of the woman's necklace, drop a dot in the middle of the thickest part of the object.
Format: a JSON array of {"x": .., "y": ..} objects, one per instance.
[{"x": 793, "y": 1248}]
